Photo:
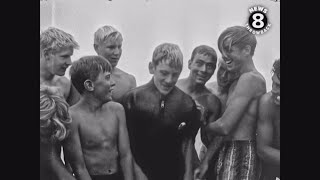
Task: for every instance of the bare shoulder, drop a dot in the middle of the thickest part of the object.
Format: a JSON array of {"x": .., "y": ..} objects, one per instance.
[
  {"x": 63, "y": 81},
  {"x": 113, "y": 106},
  {"x": 253, "y": 81},
  {"x": 180, "y": 83},
  {"x": 213, "y": 99},
  {"x": 126, "y": 75},
  {"x": 75, "y": 114},
  {"x": 265, "y": 102},
  {"x": 213, "y": 87}
]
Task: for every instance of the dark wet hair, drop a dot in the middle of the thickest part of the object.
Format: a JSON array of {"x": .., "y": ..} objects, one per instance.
[
  {"x": 87, "y": 67},
  {"x": 205, "y": 50},
  {"x": 237, "y": 36}
]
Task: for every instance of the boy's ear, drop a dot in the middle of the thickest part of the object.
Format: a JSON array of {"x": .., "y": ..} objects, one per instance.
[
  {"x": 247, "y": 49},
  {"x": 151, "y": 68},
  {"x": 95, "y": 46},
  {"x": 189, "y": 64},
  {"x": 88, "y": 85},
  {"x": 46, "y": 55}
]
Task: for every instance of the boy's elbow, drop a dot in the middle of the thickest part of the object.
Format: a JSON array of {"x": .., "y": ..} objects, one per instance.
[
  {"x": 217, "y": 128},
  {"x": 126, "y": 156},
  {"x": 222, "y": 129}
]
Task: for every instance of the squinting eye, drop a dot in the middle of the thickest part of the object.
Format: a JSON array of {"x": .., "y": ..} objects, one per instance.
[
  {"x": 210, "y": 66},
  {"x": 164, "y": 73}
]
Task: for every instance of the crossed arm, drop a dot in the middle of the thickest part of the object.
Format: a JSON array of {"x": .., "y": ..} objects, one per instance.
[
  {"x": 248, "y": 87},
  {"x": 265, "y": 135}
]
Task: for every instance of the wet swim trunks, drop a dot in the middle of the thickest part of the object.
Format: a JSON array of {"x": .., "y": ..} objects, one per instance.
[{"x": 238, "y": 160}]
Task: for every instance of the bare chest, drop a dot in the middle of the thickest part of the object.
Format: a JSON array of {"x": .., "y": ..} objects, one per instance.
[{"x": 98, "y": 131}]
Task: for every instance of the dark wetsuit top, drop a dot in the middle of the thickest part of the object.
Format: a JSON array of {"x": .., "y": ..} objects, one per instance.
[{"x": 153, "y": 121}]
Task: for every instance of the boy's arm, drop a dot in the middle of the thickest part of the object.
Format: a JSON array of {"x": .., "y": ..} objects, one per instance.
[
  {"x": 124, "y": 145},
  {"x": 73, "y": 151},
  {"x": 248, "y": 86},
  {"x": 265, "y": 135},
  {"x": 215, "y": 142},
  {"x": 214, "y": 145}
]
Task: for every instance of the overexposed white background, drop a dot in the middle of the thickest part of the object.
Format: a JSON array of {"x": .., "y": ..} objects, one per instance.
[{"x": 145, "y": 24}]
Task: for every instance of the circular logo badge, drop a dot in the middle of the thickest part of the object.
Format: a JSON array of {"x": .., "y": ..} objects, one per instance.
[{"x": 258, "y": 21}]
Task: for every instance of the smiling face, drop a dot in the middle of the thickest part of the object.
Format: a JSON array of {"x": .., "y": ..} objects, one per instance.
[
  {"x": 59, "y": 61},
  {"x": 164, "y": 76},
  {"x": 233, "y": 56},
  {"x": 201, "y": 68},
  {"x": 111, "y": 49},
  {"x": 103, "y": 86}
]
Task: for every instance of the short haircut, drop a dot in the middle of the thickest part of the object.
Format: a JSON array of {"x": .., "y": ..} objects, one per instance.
[
  {"x": 168, "y": 53},
  {"x": 104, "y": 32},
  {"x": 237, "y": 36},
  {"x": 54, "y": 116},
  {"x": 276, "y": 68},
  {"x": 205, "y": 50},
  {"x": 87, "y": 68},
  {"x": 52, "y": 39}
]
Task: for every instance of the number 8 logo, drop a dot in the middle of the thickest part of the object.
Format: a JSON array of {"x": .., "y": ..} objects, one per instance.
[{"x": 258, "y": 23}]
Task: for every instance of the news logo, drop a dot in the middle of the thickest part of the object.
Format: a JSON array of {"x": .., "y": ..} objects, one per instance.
[{"x": 258, "y": 21}]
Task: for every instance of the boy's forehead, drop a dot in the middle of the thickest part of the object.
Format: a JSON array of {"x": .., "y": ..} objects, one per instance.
[
  {"x": 165, "y": 65},
  {"x": 67, "y": 50},
  {"x": 203, "y": 57},
  {"x": 113, "y": 39}
]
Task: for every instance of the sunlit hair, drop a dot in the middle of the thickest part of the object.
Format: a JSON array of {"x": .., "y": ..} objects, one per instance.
[
  {"x": 53, "y": 39},
  {"x": 276, "y": 68},
  {"x": 104, "y": 33},
  {"x": 87, "y": 68},
  {"x": 54, "y": 116},
  {"x": 168, "y": 53},
  {"x": 237, "y": 36},
  {"x": 206, "y": 51}
]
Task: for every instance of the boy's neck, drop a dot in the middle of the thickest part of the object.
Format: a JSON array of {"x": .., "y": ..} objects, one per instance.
[
  {"x": 194, "y": 87},
  {"x": 91, "y": 103}
]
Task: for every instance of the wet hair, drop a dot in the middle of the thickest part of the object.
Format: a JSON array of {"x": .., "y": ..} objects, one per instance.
[
  {"x": 54, "y": 116},
  {"x": 276, "y": 68},
  {"x": 168, "y": 53},
  {"x": 237, "y": 36},
  {"x": 104, "y": 32},
  {"x": 52, "y": 39},
  {"x": 87, "y": 67},
  {"x": 206, "y": 51}
]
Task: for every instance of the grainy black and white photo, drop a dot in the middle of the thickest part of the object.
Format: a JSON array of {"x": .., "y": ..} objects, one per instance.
[{"x": 159, "y": 90}]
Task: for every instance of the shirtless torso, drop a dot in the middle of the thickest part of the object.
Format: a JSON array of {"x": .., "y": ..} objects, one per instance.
[
  {"x": 99, "y": 135},
  {"x": 246, "y": 126},
  {"x": 268, "y": 137}
]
